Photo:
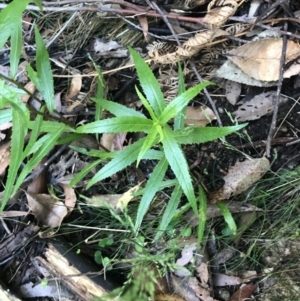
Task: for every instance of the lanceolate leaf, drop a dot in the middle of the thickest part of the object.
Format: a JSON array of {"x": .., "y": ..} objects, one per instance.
[
  {"x": 39, "y": 155},
  {"x": 20, "y": 121},
  {"x": 151, "y": 188},
  {"x": 5, "y": 116},
  {"x": 149, "y": 142},
  {"x": 118, "y": 109},
  {"x": 44, "y": 71},
  {"x": 118, "y": 125},
  {"x": 228, "y": 217},
  {"x": 180, "y": 117},
  {"x": 122, "y": 159},
  {"x": 15, "y": 48},
  {"x": 146, "y": 104},
  {"x": 170, "y": 211},
  {"x": 34, "y": 133},
  {"x": 149, "y": 83},
  {"x": 179, "y": 166},
  {"x": 202, "y": 214},
  {"x": 204, "y": 134},
  {"x": 180, "y": 102},
  {"x": 9, "y": 19},
  {"x": 84, "y": 172}
]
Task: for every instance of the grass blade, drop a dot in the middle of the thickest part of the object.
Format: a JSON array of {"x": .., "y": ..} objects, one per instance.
[
  {"x": 227, "y": 217},
  {"x": 150, "y": 190},
  {"x": 180, "y": 117},
  {"x": 179, "y": 166},
  {"x": 149, "y": 83},
  {"x": 202, "y": 214}
]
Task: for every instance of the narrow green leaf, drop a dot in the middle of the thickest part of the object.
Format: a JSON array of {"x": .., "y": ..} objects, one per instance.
[
  {"x": 44, "y": 71},
  {"x": 84, "y": 172},
  {"x": 170, "y": 211},
  {"x": 38, "y": 156},
  {"x": 99, "y": 94},
  {"x": 34, "y": 133},
  {"x": 149, "y": 83},
  {"x": 68, "y": 138},
  {"x": 5, "y": 116},
  {"x": 9, "y": 19},
  {"x": 180, "y": 117},
  {"x": 179, "y": 166},
  {"x": 180, "y": 102},
  {"x": 150, "y": 190},
  {"x": 146, "y": 104},
  {"x": 122, "y": 159},
  {"x": 117, "y": 125},
  {"x": 119, "y": 110},
  {"x": 202, "y": 214},
  {"x": 19, "y": 131},
  {"x": 15, "y": 48},
  {"x": 50, "y": 126},
  {"x": 228, "y": 217},
  {"x": 149, "y": 142},
  {"x": 33, "y": 75},
  {"x": 197, "y": 135}
]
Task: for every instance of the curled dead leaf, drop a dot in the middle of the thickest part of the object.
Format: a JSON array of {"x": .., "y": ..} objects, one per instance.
[
  {"x": 240, "y": 177},
  {"x": 75, "y": 88},
  {"x": 47, "y": 210}
]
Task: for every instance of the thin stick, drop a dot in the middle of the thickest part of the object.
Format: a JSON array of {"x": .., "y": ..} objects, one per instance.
[{"x": 278, "y": 92}]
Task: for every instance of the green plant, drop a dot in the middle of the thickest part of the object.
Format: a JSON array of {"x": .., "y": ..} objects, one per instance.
[
  {"x": 43, "y": 134},
  {"x": 158, "y": 133}
]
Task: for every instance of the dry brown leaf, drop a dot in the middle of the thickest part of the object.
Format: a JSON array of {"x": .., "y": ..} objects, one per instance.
[
  {"x": 199, "y": 116},
  {"x": 75, "y": 88},
  {"x": 233, "y": 91},
  {"x": 31, "y": 88},
  {"x": 187, "y": 254},
  {"x": 202, "y": 272},
  {"x": 181, "y": 288},
  {"x": 202, "y": 293},
  {"x": 243, "y": 293},
  {"x": 261, "y": 59},
  {"x": 70, "y": 197},
  {"x": 144, "y": 24},
  {"x": 218, "y": 12},
  {"x": 107, "y": 140},
  {"x": 240, "y": 177},
  {"x": 126, "y": 198},
  {"x": 39, "y": 184},
  {"x": 223, "y": 280},
  {"x": 258, "y": 106},
  {"x": 47, "y": 210},
  {"x": 164, "y": 297},
  {"x": 4, "y": 156}
]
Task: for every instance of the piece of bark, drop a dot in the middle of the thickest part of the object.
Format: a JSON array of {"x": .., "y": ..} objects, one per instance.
[{"x": 62, "y": 264}]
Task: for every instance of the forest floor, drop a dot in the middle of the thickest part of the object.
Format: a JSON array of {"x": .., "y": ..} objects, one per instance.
[{"x": 257, "y": 260}]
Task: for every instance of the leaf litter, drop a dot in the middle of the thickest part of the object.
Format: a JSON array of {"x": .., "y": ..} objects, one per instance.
[{"x": 253, "y": 59}]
